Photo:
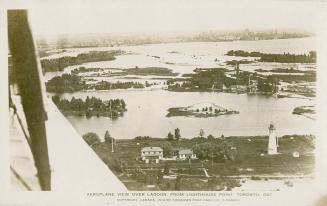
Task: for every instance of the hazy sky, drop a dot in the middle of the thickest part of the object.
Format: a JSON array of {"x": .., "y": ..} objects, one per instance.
[{"x": 87, "y": 16}]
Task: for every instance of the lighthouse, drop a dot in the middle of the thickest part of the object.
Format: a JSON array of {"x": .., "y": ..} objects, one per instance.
[{"x": 272, "y": 142}]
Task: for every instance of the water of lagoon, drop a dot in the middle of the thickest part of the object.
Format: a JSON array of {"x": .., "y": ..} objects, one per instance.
[{"x": 146, "y": 115}]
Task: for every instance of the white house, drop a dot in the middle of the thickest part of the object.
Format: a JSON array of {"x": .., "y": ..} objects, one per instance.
[
  {"x": 186, "y": 154},
  {"x": 151, "y": 153}
]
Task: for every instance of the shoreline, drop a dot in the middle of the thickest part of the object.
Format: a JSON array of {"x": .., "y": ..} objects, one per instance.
[
  {"x": 169, "y": 42},
  {"x": 267, "y": 94}
]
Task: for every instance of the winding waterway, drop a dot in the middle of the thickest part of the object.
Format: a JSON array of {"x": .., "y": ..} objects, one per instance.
[{"x": 147, "y": 109}]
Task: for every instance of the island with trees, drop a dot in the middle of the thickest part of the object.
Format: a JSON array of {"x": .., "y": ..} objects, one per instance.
[
  {"x": 281, "y": 58},
  {"x": 307, "y": 111},
  {"x": 201, "y": 80},
  {"x": 217, "y": 79},
  {"x": 239, "y": 81},
  {"x": 236, "y": 62},
  {"x": 206, "y": 109},
  {"x": 91, "y": 106},
  {"x": 87, "y": 69},
  {"x": 105, "y": 85},
  {"x": 155, "y": 71},
  {"x": 73, "y": 83},
  {"x": 58, "y": 64},
  {"x": 139, "y": 71},
  {"x": 290, "y": 70},
  {"x": 65, "y": 83}
]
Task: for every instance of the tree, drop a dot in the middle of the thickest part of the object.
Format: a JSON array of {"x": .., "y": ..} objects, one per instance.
[
  {"x": 166, "y": 169},
  {"x": 170, "y": 136},
  {"x": 201, "y": 150},
  {"x": 265, "y": 86},
  {"x": 166, "y": 186},
  {"x": 210, "y": 137},
  {"x": 218, "y": 151},
  {"x": 123, "y": 104},
  {"x": 159, "y": 177},
  {"x": 201, "y": 134},
  {"x": 87, "y": 101},
  {"x": 178, "y": 183},
  {"x": 91, "y": 138},
  {"x": 167, "y": 149},
  {"x": 56, "y": 99},
  {"x": 313, "y": 55},
  {"x": 88, "y": 113},
  {"x": 177, "y": 134},
  {"x": 107, "y": 137}
]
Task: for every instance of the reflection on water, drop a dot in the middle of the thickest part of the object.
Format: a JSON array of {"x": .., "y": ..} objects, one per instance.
[{"x": 147, "y": 111}]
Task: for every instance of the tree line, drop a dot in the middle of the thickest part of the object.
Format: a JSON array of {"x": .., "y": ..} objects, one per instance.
[
  {"x": 72, "y": 83},
  {"x": 58, "y": 64},
  {"x": 92, "y": 138},
  {"x": 281, "y": 58},
  {"x": 206, "y": 80},
  {"x": 65, "y": 83}
]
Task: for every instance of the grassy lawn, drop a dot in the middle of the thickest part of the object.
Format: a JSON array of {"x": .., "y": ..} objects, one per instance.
[{"x": 251, "y": 161}]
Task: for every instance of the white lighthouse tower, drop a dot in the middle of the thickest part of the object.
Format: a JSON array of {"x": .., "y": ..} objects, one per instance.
[{"x": 272, "y": 143}]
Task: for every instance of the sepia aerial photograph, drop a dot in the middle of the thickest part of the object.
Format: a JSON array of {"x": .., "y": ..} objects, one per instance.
[{"x": 164, "y": 96}]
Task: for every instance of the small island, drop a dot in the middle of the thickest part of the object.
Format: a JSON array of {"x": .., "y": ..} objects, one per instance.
[
  {"x": 139, "y": 71},
  {"x": 306, "y": 111},
  {"x": 93, "y": 106},
  {"x": 155, "y": 71},
  {"x": 200, "y": 110},
  {"x": 287, "y": 71},
  {"x": 281, "y": 58},
  {"x": 59, "y": 64}
]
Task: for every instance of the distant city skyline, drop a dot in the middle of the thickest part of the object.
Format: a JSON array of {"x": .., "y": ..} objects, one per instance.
[{"x": 152, "y": 16}]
